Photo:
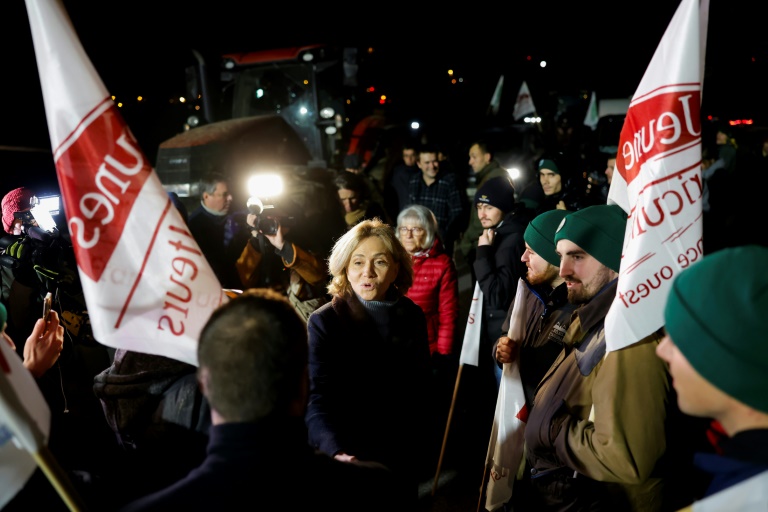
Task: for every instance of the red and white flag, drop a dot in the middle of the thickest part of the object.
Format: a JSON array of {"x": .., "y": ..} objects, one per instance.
[
  {"x": 470, "y": 347},
  {"x": 658, "y": 180},
  {"x": 147, "y": 285},
  {"x": 25, "y": 423},
  {"x": 524, "y": 103},
  {"x": 505, "y": 449}
]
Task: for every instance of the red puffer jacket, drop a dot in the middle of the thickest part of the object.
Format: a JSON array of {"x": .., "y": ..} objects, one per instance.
[{"x": 436, "y": 290}]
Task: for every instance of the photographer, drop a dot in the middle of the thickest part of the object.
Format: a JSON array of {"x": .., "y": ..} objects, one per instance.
[{"x": 259, "y": 267}]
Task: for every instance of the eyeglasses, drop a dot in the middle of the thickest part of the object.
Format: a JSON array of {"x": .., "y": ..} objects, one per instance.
[{"x": 414, "y": 231}]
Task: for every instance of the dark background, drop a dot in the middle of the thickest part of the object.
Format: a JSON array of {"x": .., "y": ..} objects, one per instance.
[{"x": 142, "y": 48}]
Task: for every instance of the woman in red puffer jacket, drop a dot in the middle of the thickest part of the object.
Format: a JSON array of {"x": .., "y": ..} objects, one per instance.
[{"x": 435, "y": 279}]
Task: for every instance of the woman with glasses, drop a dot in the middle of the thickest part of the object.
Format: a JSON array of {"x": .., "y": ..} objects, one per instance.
[{"x": 435, "y": 279}]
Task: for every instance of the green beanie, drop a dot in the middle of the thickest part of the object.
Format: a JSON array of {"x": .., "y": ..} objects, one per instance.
[
  {"x": 540, "y": 234},
  {"x": 599, "y": 230},
  {"x": 3, "y": 317},
  {"x": 546, "y": 163},
  {"x": 717, "y": 322}
]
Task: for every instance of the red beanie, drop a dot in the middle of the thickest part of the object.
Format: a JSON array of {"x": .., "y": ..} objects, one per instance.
[{"x": 14, "y": 201}]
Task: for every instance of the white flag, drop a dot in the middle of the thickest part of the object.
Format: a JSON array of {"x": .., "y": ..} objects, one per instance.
[
  {"x": 146, "y": 283},
  {"x": 493, "y": 108},
  {"x": 524, "y": 103},
  {"x": 592, "y": 118},
  {"x": 658, "y": 181},
  {"x": 470, "y": 348},
  {"x": 505, "y": 450},
  {"x": 25, "y": 423}
]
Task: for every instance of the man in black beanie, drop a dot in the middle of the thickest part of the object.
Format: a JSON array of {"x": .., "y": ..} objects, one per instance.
[
  {"x": 498, "y": 265},
  {"x": 599, "y": 434}
]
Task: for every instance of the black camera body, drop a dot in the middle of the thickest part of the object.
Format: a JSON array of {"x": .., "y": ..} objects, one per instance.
[{"x": 266, "y": 216}]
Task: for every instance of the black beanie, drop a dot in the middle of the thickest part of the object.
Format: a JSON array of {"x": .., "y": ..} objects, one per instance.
[{"x": 497, "y": 192}]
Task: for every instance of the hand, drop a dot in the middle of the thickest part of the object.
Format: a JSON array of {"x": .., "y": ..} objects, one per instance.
[
  {"x": 277, "y": 240},
  {"x": 44, "y": 345},
  {"x": 343, "y": 457},
  {"x": 505, "y": 350},
  {"x": 561, "y": 206},
  {"x": 486, "y": 237}
]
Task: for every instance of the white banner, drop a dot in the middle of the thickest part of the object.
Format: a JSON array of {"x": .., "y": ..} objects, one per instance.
[
  {"x": 470, "y": 348},
  {"x": 25, "y": 423},
  {"x": 658, "y": 181},
  {"x": 524, "y": 103},
  {"x": 505, "y": 450},
  {"x": 147, "y": 286}
]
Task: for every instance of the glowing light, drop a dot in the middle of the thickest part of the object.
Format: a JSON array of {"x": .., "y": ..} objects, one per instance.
[
  {"x": 543, "y": 64},
  {"x": 140, "y": 98},
  {"x": 513, "y": 172},
  {"x": 182, "y": 99}
]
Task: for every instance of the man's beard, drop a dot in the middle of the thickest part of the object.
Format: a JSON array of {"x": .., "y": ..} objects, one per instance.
[
  {"x": 546, "y": 277},
  {"x": 587, "y": 291}
]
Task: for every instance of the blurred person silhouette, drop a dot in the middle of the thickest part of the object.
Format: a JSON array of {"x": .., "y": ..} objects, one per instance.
[
  {"x": 720, "y": 370},
  {"x": 396, "y": 190},
  {"x": 252, "y": 370},
  {"x": 354, "y": 164},
  {"x": 355, "y": 199},
  {"x": 369, "y": 366}
]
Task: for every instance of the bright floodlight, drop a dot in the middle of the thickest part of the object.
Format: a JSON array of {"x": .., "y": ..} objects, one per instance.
[
  {"x": 415, "y": 125},
  {"x": 327, "y": 113},
  {"x": 265, "y": 185},
  {"x": 513, "y": 172}
]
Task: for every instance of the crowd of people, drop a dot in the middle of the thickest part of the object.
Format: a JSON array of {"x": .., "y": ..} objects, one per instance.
[{"x": 327, "y": 376}]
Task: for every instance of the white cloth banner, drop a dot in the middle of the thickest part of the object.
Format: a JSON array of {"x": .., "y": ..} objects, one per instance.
[
  {"x": 470, "y": 348},
  {"x": 524, "y": 103},
  {"x": 591, "y": 118},
  {"x": 25, "y": 423},
  {"x": 147, "y": 285},
  {"x": 505, "y": 450},
  {"x": 658, "y": 182},
  {"x": 750, "y": 495},
  {"x": 493, "y": 108}
]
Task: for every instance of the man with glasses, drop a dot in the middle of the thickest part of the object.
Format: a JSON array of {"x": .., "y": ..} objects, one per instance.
[{"x": 211, "y": 226}]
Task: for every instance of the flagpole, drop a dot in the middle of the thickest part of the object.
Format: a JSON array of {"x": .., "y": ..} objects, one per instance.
[
  {"x": 447, "y": 428},
  {"x": 59, "y": 479}
]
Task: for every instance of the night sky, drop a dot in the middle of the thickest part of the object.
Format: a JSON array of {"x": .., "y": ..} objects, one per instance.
[{"x": 142, "y": 47}]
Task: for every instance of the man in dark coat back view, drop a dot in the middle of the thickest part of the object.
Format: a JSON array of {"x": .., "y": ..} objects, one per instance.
[{"x": 253, "y": 355}]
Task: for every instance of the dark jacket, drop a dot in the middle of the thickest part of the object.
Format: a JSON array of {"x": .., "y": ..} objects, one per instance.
[
  {"x": 744, "y": 455},
  {"x": 548, "y": 317},
  {"x": 368, "y": 388},
  {"x": 497, "y": 269},
  {"x": 268, "y": 465},
  {"x": 468, "y": 243},
  {"x": 221, "y": 239}
]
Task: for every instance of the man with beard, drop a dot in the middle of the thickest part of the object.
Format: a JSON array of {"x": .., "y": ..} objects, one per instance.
[
  {"x": 597, "y": 435},
  {"x": 548, "y": 314}
]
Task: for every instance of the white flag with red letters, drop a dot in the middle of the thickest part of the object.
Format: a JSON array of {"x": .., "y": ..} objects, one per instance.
[
  {"x": 146, "y": 283},
  {"x": 657, "y": 181},
  {"x": 524, "y": 103}
]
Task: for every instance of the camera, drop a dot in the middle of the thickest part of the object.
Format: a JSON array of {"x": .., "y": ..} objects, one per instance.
[{"x": 264, "y": 224}]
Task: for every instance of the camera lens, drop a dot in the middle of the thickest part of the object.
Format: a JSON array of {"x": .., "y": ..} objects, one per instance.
[{"x": 267, "y": 225}]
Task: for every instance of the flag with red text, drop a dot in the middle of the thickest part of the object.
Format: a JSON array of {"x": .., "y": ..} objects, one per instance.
[
  {"x": 524, "y": 103},
  {"x": 657, "y": 180},
  {"x": 505, "y": 449},
  {"x": 147, "y": 286},
  {"x": 25, "y": 423},
  {"x": 470, "y": 347}
]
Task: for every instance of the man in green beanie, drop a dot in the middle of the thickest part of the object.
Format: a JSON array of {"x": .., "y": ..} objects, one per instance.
[
  {"x": 598, "y": 431},
  {"x": 718, "y": 357},
  {"x": 548, "y": 315}
]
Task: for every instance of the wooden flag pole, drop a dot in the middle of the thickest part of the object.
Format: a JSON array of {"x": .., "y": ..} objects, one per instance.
[
  {"x": 59, "y": 479},
  {"x": 447, "y": 428}
]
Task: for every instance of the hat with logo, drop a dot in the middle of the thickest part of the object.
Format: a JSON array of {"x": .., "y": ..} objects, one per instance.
[
  {"x": 599, "y": 230},
  {"x": 540, "y": 234},
  {"x": 718, "y": 323},
  {"x": 548, "y": 163},
  {"x": 14, "y": 201},
  {"x": 497, "y": 192}
]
